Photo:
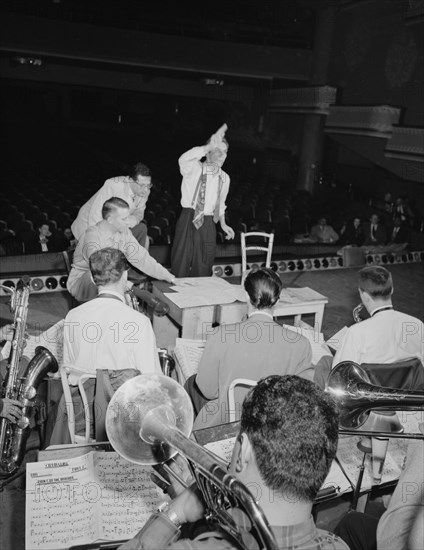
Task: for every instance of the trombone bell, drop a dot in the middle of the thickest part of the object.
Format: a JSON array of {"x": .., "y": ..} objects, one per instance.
[{"x": 137, "y": 410}]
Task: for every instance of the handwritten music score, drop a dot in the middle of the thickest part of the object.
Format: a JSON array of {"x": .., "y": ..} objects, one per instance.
[{"x": 95, "y": 497}]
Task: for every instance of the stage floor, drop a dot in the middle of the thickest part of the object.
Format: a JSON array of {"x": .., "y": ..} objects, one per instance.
[{"x": 339, "y": 285}]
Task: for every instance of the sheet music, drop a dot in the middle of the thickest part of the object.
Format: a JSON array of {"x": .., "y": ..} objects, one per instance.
[
  {"x": 188, "y": 354},
  {"x": 223, "y": 448},
  {"x": 287, "y": 296},
  {"x": 315, "y": 338},
  {"x": 59, "y": 504},
  {"x": 98, "y": 496},
  {"x": 206, "y": 291},
  {"x": 336, "y": 340},
  {"x": 128, "y": 496}
]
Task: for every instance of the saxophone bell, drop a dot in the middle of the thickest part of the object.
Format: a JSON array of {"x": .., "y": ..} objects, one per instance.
[{"x": 356, "y": 313}]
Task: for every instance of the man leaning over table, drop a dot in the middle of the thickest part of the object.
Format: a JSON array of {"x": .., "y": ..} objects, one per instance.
[{"x": 113, "y": 232}]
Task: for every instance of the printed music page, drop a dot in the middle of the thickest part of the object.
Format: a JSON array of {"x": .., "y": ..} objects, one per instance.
[
  {"x": 188, "y": 354},
  {"x": 95, "y": 497}
]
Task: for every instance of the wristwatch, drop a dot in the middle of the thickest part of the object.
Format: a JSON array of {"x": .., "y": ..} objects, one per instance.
[{"x": 170, "y": 514}]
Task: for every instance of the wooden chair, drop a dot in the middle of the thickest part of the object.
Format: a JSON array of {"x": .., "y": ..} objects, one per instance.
[
  {"x": 244, "y": 382},
  {"x": 258, "y": 247}
]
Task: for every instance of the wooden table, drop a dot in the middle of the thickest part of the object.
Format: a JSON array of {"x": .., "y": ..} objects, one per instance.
[
  {"x": 233, "y": 313},
  {"x": 191, "y": 322}
]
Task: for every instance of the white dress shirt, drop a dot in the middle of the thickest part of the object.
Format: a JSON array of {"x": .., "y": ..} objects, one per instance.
[
  {"x": 105, "y": 333},
  {"x": 387, "y": 337},
  {"x": 191, "y": 169},
  {"x": 91, "y": 212}
]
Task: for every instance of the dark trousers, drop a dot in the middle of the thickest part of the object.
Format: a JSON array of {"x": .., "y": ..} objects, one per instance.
[
  {"x": 359, "y": 531},
  {"x": 140, "y": 233},
  {"x": 193, "y": 250},
  {"x": 196, "y": 396}
]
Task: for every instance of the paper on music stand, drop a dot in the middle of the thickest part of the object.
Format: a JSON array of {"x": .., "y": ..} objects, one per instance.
[
  {"x": 188, "y": 354},
  {"x": 336, "y": 340},
  {"x": 95, "y": 497}
]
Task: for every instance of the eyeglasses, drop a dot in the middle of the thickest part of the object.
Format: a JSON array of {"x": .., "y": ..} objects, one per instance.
[{"x": 145, "y": 185}]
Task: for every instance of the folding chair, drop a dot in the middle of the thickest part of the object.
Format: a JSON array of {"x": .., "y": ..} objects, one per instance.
[
  {"x": 259, "y": 247},
  {"x": 75, "y": 438},
  {"x": 231, "y": 395}
]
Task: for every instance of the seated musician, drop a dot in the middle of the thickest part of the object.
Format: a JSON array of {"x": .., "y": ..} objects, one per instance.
[
  {"x": 105, "y": 333},
  {"x": 284, "y": 450},
  {"x": 402, "y": 524},
  {"x": 388, "y": 336},
  {"x": 236, "y": 351}
]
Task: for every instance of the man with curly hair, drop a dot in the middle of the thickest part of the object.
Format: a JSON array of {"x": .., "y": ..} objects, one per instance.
[{"x": 287, "y": 442}]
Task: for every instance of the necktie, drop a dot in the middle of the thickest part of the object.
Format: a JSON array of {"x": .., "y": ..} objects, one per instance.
[
  {"x": 199, "y": 197},
  {"x": 373, "y": 231},
  {"x": 199, "y": 209}
]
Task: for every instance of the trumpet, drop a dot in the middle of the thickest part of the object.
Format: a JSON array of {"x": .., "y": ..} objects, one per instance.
[
  {"x": 356, "y": 397},
  {"x": 148, "y": 421}
]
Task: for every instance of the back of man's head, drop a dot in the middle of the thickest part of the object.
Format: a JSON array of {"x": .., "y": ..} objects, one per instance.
[
  {"x": 292, "y": 426},
  {"x": 107, "y": 266},
  {"x": 263, "y": 287},
  {"x": 111, "y": 205},
  {"x": 376, "y": 281}
]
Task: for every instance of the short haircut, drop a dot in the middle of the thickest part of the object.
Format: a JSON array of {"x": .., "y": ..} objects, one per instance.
[
  {"x": 138, "y": 169},
  {"x": 107, "y": 265},
  {"x": 376, "y": 281},
  {"x": 263, "y": 287},
  {"x": 293, "y": 428},
  {"x": 110, "y": 206}
]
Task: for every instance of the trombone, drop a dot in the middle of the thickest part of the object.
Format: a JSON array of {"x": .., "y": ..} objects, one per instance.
[
  {"x": 356, "y": 397},
  {"x": 148, "y": 421}
]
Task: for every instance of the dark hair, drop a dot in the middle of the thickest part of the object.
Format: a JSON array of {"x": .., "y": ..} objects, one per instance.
[
  {"x": 138, "y": 169},
  {"x": 263, "y": 287},
  {"x": 107, "y": 265},
  {"x": 110, "y": 206},
  {"x": 376, "y": 281},
  {"x": 293, "y": 427}
]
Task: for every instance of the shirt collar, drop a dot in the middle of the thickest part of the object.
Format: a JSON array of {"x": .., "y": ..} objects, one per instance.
[
  {"x": 295, "y": 536},
  {"x": 381, "y": 308},
  {"x": 261, "y": 313},
  {"x": 114, "y": 293}
]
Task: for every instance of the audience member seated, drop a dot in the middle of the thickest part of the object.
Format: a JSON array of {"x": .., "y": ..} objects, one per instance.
[
  {"x": 399, "y": 232},
  {"x": 43, "y": 240},
  {"x": 352, "y": 232},
  {"x": 134, "y": 188},
  {"x": 235, "y": 351},
  {"x": 401, "y": 527},
  {"x": 105, "y": 333},
  {"x": 323, "y": 233},
  {"x": 388, "y": 336},
  {"x": 374, "y": 232},
  {"x": 284, "y": 450}
]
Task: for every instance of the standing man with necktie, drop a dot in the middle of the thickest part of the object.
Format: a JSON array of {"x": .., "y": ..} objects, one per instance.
[{"x": 204, "y": 190}]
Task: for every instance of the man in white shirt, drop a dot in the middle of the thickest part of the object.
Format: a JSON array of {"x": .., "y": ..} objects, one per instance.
[
  {"x": 105, "y": 333},
  {"x": 388, "y": 336},
  {"x": 113, "y": 232},
  {"x": 204, "y": 190},
  {"x": 133, "y": 188}
]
